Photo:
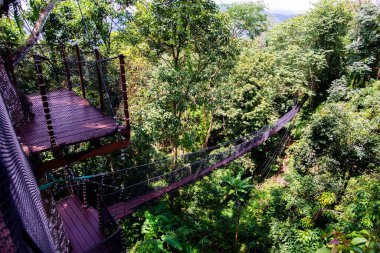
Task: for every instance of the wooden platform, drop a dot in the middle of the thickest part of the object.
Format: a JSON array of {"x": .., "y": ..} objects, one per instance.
[
  {"x": 74, "y": 121},
  {"x": 81, "y": 224}
]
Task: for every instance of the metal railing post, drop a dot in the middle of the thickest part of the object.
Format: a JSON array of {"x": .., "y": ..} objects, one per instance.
[
  {"x": 80, "y": 71},
  {"x": 66, "y": 66},
  {"x": 98, "y": 73},
  {"x": 123, "y": 82}
]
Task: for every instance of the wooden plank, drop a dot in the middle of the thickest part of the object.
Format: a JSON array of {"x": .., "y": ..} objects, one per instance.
[
  {"x": 38, "y": 133},
  {"x": 93, "y": 217},
  {"x": 89, "y": 217},
  {"x": 79, "y": 135},
  {"x": 80, "y": 225},
  {"x": 74, "y": 115},
  {"x": 71, "y": 229},
  {"x": 74, "y": 121},
  {"x": 79, "y": 228},
  {"x": 85, "y": 218},
  {"x": 65, "y": 135}
]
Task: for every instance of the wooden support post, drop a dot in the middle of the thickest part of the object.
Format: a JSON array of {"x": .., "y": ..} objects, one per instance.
[
  {"x": 80, "y": 71},
  {"x": 99, "y": 74},
  {"x": 67, "y": 71},
  {"x": 44, "y": 98},
  {"x": 123, "y": 82}
]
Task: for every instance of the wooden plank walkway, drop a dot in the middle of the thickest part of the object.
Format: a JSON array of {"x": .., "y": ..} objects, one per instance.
[
  {"x": 74, "y": 121},
  {"x": 81, "y": 224}
]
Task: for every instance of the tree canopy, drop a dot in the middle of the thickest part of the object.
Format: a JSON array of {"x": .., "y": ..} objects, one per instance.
[{"x": 201, "y": 74}]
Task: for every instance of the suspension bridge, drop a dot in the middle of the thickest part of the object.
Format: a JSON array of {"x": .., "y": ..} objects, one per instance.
[{"x": 84, "y": 224}]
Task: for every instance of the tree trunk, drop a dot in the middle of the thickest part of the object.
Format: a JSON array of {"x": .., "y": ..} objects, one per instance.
[
  {"x": 346, "y": 181},
  {"x": 18, "y": 104},
  {"x": 37, "y": 30},
  {"x": 205, "y": 144},
  {"x": 237, "y": 227}
]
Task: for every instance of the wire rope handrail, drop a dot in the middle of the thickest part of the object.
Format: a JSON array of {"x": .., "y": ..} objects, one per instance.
[{"x": 266, "y": 130}]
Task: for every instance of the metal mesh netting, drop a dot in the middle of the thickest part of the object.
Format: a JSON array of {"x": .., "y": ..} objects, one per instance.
[
  {"x": 11, "y": 97},
  {"x": 23, "y": 223},
  {"x": 61, "y": 70}
]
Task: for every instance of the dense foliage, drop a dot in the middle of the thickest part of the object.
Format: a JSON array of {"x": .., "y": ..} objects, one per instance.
[{"x": 199, "y": 76}]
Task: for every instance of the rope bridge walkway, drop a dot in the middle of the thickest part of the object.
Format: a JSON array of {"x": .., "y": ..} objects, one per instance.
[
  {"x": 191, "y": 172},
  {"x": 117, "y": 199}
]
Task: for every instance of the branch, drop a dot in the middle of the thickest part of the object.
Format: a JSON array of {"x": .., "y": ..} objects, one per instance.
[{"x": 37, "y": 30}]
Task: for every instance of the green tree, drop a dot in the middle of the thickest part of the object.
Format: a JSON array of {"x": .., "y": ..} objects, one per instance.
[
  {"x": 192, "y": 49},
  {"x": 89, "y": 23},
  {"x": 236, "y": 188},
  {"x": 364, "y": 51},
  {"x": 339, "y": 141},
  {"x": 247, "y": 19},
  {"x": 319, "y": 37},
  {"x": 328, "y": 25},
  {"x": 11, "y": 54}
]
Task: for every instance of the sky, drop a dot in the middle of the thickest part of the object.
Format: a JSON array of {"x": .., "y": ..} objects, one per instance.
[{"x": 280, "y": 6}]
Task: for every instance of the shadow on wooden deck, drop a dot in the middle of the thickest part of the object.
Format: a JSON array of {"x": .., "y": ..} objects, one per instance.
[{"x": 74, "y": 121}]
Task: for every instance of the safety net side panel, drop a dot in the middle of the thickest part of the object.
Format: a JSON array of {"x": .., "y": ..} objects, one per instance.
[{"x": 23, "y": 223}]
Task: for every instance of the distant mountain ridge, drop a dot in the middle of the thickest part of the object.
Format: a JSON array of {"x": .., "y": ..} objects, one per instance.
[
  {"x": 277, "y": 17},
  {"x": 281, "y": 17}
]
